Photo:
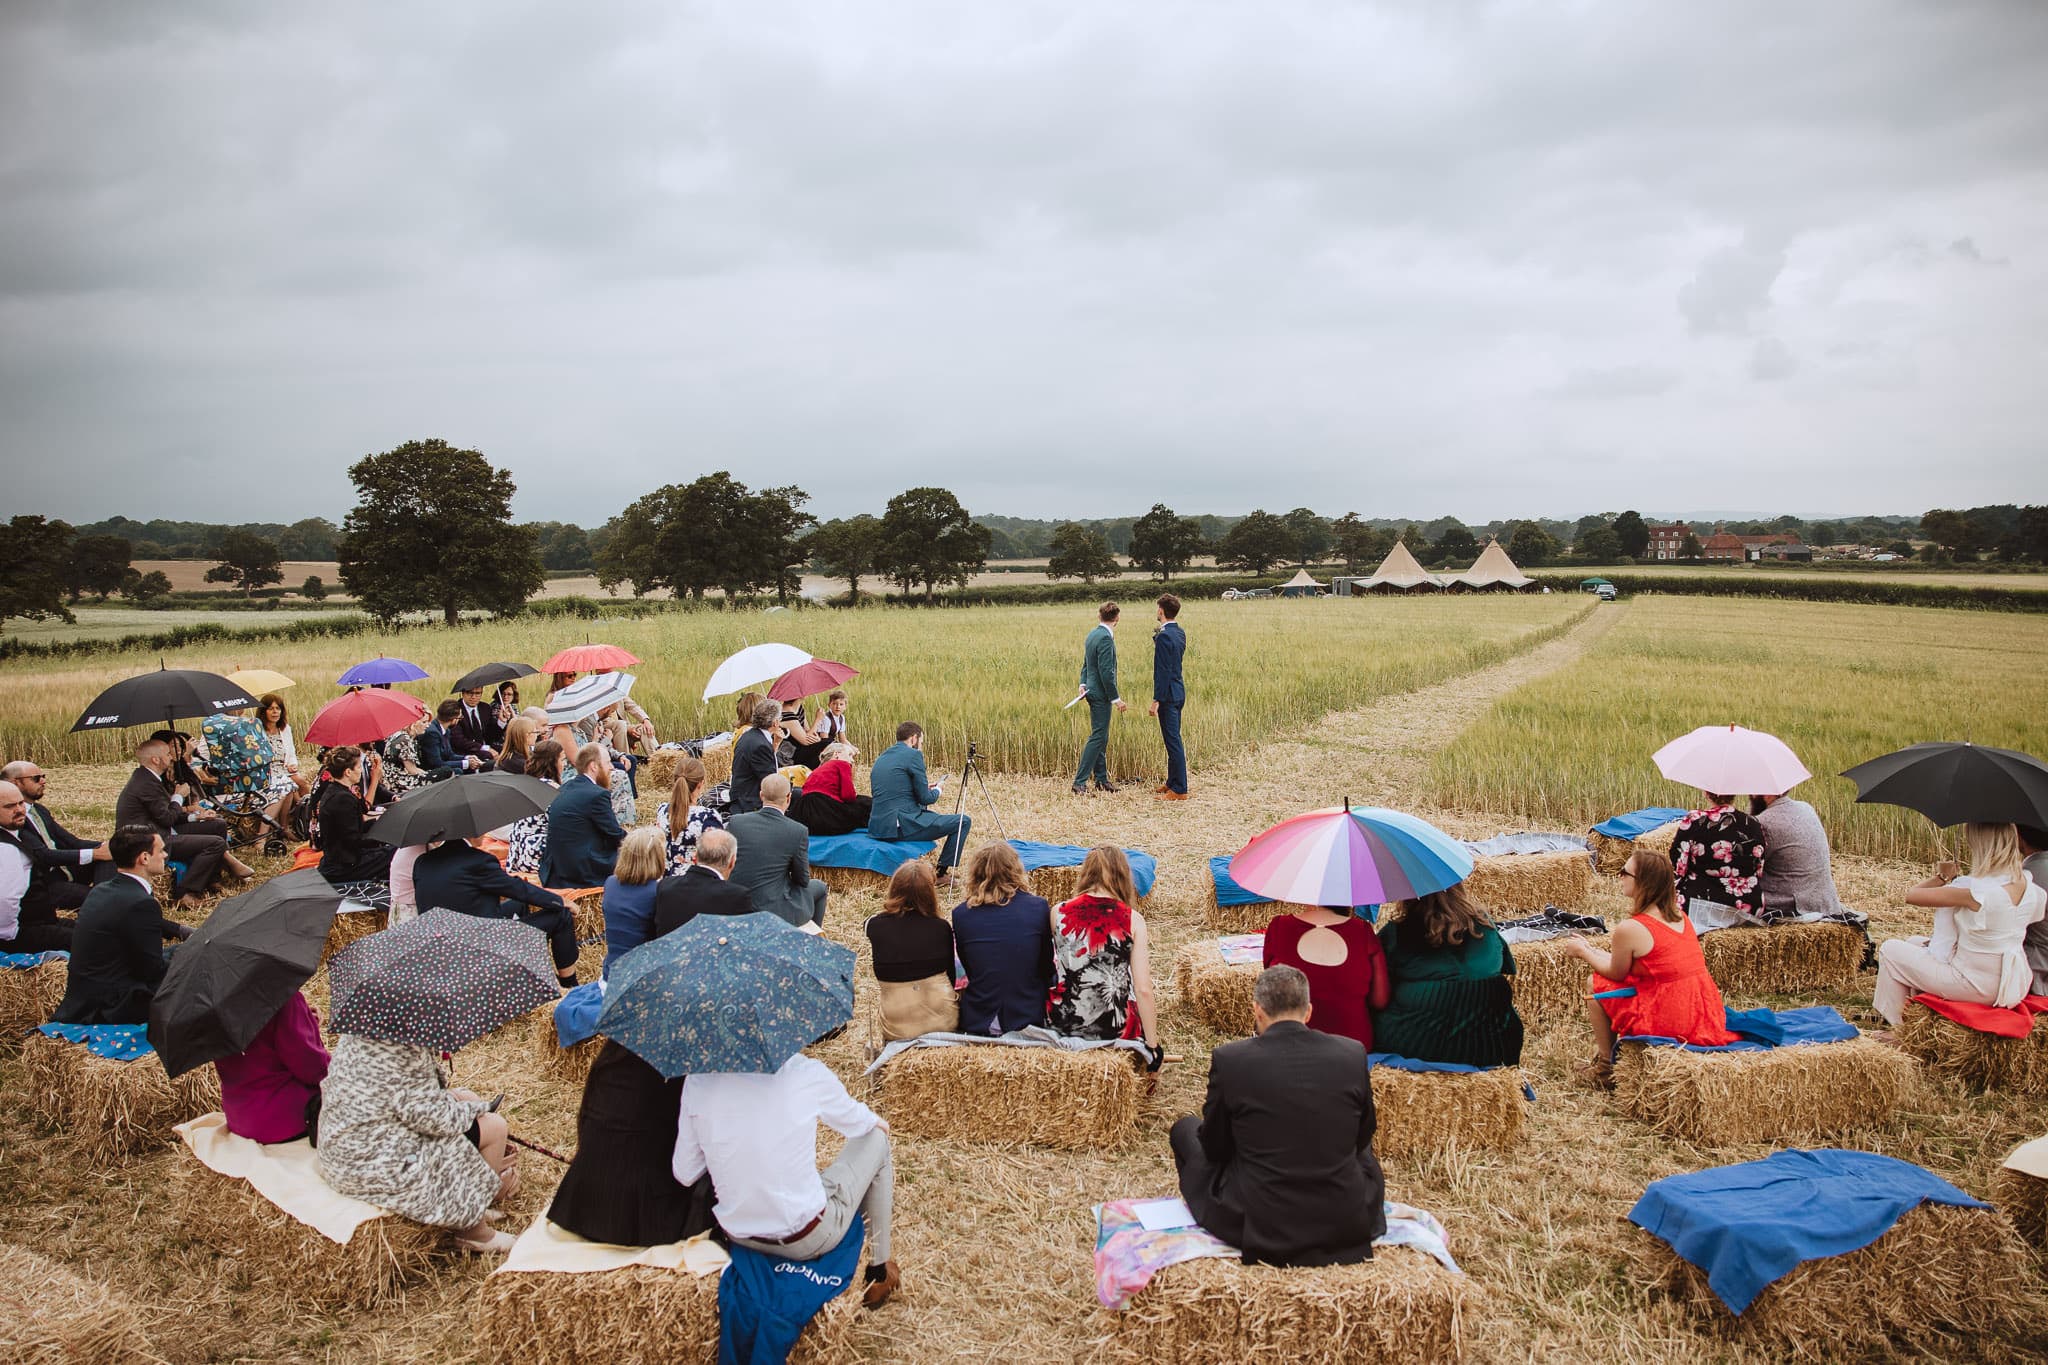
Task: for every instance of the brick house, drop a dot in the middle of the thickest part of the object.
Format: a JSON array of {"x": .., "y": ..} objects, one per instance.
[
  {"x": 1667, "y": 540},
  {"x": 1724, "y": 547}
]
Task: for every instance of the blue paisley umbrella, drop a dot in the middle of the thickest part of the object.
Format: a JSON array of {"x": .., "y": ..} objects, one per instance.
[{"x": 727, "y": 993}]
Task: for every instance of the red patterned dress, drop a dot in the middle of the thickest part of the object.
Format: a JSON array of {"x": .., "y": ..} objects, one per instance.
[{"x": 1091, "y": 958}]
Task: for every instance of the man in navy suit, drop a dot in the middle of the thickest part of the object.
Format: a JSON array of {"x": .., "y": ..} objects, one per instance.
[
  {"x": 441, "y": 742},
  {"x": 1169, "y": 694},
  {"x": 460, "y": 877},
  {"x": 583, "y": 834},
  {"x": 476, "y": 728},
  {"x": 117, "y": 952}
]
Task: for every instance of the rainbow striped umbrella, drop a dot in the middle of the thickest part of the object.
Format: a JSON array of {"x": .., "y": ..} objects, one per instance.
[{"x": 1350, "y": 855}]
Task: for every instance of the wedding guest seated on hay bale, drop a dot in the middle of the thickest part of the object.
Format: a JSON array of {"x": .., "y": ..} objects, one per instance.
[
  {"x": 621, "y": 1187},
  {"x": 1102, "y": 958},
  {"x": 705, "y": 888},
  {"x": 117, "y": 952},
  {"x": 1340, "y": 955},
  {"x": 911, "y": 946},
  {"x": 630, "y": 891},
  {"x": 29, "y": 922},
  {"x": 346, "y": 854},
  {"x": 1977, "y": 952},
  {"x": 1450, "y": 998},
  {"x": 460, "y": 876},
  {"x": 683, "y": 818},
  {"x": 775, "y": 859},
  {"x": 268, "y": 1089},
  {"x": 903, "y": 795},
  {"x": 1003, "y": 936},
  {"x": 583, "y": 833}
]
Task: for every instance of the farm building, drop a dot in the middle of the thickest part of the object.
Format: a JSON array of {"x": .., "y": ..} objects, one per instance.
[{"x": 1667, "y": 540}]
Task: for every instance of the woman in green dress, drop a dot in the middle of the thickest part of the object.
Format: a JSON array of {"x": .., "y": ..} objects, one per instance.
[{"x": 1451, "y": 999}]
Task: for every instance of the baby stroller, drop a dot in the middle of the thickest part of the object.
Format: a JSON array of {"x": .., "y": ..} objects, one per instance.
[{"x": 238, "y": 756}]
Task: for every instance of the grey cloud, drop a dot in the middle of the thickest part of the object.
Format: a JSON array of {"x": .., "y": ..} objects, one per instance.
[
  {"x": 1732, "y": 287},
  {"x": 1771, "y": 360},
  {"x": 1618, "y": 381}
]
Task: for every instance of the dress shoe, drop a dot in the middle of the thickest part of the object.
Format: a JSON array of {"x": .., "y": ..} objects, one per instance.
[
  {"x": 1105, "y": 786},
  {"x": 1168, "y": 794},
  {"x": 1080, "y": 790},
  {"x": 881, "y": 1287},
  {"x": 1162, "y": 787}
]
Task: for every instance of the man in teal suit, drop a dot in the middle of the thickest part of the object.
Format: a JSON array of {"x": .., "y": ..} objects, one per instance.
[
  {"x": 1098, "y": 685},
  {"x": 902, "y": 795}
]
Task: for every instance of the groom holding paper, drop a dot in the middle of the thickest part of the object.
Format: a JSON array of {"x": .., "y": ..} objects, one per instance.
[{"x": 1098, "y": 688}]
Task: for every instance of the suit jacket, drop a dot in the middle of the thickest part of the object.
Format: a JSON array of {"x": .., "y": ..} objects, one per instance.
[
  {"x": 1098, "y": 664},
  {"x": 900, "y": 789},
  {"x": 147, "y": 801},
  {"x": 583, "y": 835},
  {"x": 468, "y": 880},
  {"x": 774, "y": 866},
  {"x": 699, "y": 891},
  {"x": 117, "y": 956},
  {"x": 67, "y": 854},
  {"x": 39, "y": 896},
  {"x": 486, "y": 733},
  {"x": 753, "y": 758},
  {"x": 1288, "y": 1129},
  {"x": 438, "y": 751},
  {"x": 1169, "y": 644}
]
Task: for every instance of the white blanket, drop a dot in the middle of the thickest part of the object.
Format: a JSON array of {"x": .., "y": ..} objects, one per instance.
[
  {"x": 1037, "y": 1035},
  {"x": 2030, "y": 1158},
  {"x": 285, "y": 1173},
  {"x": 545, "y": 1247}
]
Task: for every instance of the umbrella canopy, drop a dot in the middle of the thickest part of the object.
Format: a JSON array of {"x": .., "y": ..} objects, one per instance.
[
  {"x": 461, "y": 810},
  {"x": 1954, "y": 783},
  {"x": 260, "y": 680},
  {"x": 589, "y": 658},
  {"x": 364, "y": 717},
  {"x": 229, "y": 980},
  {"x": 1731, "y": 761},
  {"x": 441, "y": 980},
  {"x": 381, "y": 670},
  {"x": 1595, "y": 582},
  {"x": 588, "y": 695},
  {"x": 754, "y": 664},
  {"x": 490, "y": 675},
  {"x": 727, "y": 993},
  {"x": 1363, "y": 855},
  {"x": 161, "y": 697},
  {"x": 807, "y": 680}
]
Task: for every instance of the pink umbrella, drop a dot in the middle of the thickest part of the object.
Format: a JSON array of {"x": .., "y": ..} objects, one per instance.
[
  {"x": 1350, "y": 855},
  {"x": 364, "y": 717},
  {"x": 1731, "y": 761},
  {"x": 807, "y": 680},
  {"x": 589, "y": 659}
]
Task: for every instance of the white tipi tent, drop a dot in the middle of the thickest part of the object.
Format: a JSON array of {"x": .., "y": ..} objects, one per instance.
[
  {"x": 1399, "y": 572},
  {"x": 1493, "y": 569},
  {"x": 1301, "y": 585}
]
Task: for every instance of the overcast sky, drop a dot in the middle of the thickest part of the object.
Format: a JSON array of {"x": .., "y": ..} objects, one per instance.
[{"x": 1068, "y": 259}]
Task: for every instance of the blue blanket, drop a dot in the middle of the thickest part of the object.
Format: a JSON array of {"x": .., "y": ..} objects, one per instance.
[
  {"x": 865, "y": 852},
  {"x": 116, "y": 1042},
  {"x": 1763, "y": 1029},
  {"x": 1752, "y": 1223},
  {"x": 1639, "y": 821},
  {"x": 1229, "y": 892},
  {"x": 1399, "y": 1063},
  {"x": 1144, "y": 867},
  {"x": 765, "y": 1302},
  {"x": 576, "y": 1013},
  {"x": 21, "y": 962}
]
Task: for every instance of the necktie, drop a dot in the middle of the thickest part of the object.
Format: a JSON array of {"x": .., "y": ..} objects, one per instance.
[{"x": 36, "y": 818}]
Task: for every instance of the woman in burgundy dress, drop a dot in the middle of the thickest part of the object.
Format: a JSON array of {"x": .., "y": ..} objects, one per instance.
[{"x": 1345, "y": 966}]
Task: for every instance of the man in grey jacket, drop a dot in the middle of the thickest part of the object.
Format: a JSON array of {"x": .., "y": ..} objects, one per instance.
[
  {"x": 774, "y": 866},
  {"x": 2034, "y": 843},
  {"x": 1798, "y": 873}
]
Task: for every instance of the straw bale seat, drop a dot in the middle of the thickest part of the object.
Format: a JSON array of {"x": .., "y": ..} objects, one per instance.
[
  {"x": 1724, "y": 1098},
  {"x": 1941, "y": 1274},
  {"x": 347, "y": 928},
  {"x": 659, "y": 774},
  {"x": 112, "y": 1108},
  {"x": 1784, "y": 959},
  {"x": 1242, "y": 919},
  {"x": 1400, "y": 1305},
  {"x": 29, "y": 996},
  {"x": 845, "y": 880},
  {"x": 1214, "y": 991},
  {"x": 586, "y": 904},
  {"x": 536, "y": 1036},
  {"x": 57, "y": 1317},
  {"x": 386, "y": 1257},
  {"x": 1610, "y": 852},
  {"x": 1423, "y": 1111},
  {"x": 1058, "y": 884},
  {"x": 638, "y": 1313},
  {"x": 1527, "y": 882},
  {"x": 999, "y": 1093},
  {"x": 2024, "y": 1199},
  {"x": 1982, "y": 1061},
  {"x": 1550, "y": 984}
]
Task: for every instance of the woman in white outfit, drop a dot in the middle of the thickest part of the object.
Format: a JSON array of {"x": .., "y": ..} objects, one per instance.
[{"x": 1980, "y": 925}]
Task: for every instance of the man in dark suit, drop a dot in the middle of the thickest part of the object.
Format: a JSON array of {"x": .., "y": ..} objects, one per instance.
[
  {"x": 117, "y": 955},
  {"x": 703, "y": 889},
  {"x": 28, "y": 918},
  {"x": 1280, "y": 1165},
  {"x": 460, "y": 877},
  {"x": 196, "y": 841},
  {"x": 1169, "y": 694},
  {"x": 583, "y": 834},
  {"x": 477, "y": 731},
  {"x": 902, "y": 794},
  {"x": 73, "y": 864},
  {"x": 775, "y": 858},
  {"x": 753, "y": 756},
  {"x": 1098, "y": 685},
  {"x": 440, "y": 742}
]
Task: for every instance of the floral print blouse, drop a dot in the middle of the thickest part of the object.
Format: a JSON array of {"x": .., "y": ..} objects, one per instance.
[
  {"x": 682, "y": 846},
  {"x": 1091, "y": 958},
  {"x": 529, "y": 841},
  {"x": 1718, "y": 855}
]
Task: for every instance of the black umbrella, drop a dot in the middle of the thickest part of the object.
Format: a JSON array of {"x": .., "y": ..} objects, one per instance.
[
  {"x": 461, "y": 809},
  {"x": 161, "y": 697},
  {"x": 239, "y": 968},
  {"x": 1954, "y": 783},
  {"x": 490, "y": 675},
  {"x": 441, "y": 980}
]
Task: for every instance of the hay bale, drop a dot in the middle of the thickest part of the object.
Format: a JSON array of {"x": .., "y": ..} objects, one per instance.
[
  {"x": 1214, "y": 991},
  {"x": 1940, "y": 1274},
  {"x": 1785, "y": 959},
  {"x": 1058, "y": 884},
  {"x": 1609, "y": 852},
  {"x": 1400, "y": 1305},
  {"x": 354, "y": 925},
  {"x": 29, "y": 996},
  {"x": 1550, "y": 984},
  {"x": 2024, "y": 1199},
  {"x": 1423, "y": 1111},
  {"x": 718, "y": 764},
  {"x": 384, "y": 1259},
  {"x": 1244, "y": 919},
  {"x": 1719, "y": 1099},
  {"x": 111, "y": 1108},
  {"x": 57, "y": 1317},
  {"x": 659, "y": 773},
  {"x": 586, "y": 905},
  {"x": 638, "y": 1313},
  {"x": 1073, "y": 1101},
  {"x": 2013, "y": 1066},
  {"x": 535, "y": 1032},
  {"x": 844, "y": 881},
  {"x": 1527, "y": 882}
]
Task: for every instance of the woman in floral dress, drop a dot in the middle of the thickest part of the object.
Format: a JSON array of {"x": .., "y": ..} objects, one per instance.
[
  {"x": 529, "y": 839},
  {"x": 1718, "y": 855},
  {"x": 682, "y": 834},
  {"x": 1101, "y": 955}
]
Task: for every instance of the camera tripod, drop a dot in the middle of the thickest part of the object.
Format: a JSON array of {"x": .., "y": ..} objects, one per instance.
[{"x": 972, "y": 768}]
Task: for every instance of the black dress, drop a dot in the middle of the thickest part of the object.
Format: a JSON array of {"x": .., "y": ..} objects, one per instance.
[
  {"x": 345, "y": 854},
  {"x": 620, "y": 1187}
]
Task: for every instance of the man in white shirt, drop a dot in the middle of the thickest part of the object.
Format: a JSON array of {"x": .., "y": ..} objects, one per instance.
[
  {"x": 24, "y": 929},
  {"x": 758, "y": 1135}
]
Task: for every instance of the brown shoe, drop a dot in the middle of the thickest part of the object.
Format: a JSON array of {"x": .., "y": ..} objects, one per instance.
[
  {"x": 1170, "y": 796},
  {"x": 878, "y": 1291},
  {"x": 1596, "y": 1073},
  {"x": 1162, "y": 787}
]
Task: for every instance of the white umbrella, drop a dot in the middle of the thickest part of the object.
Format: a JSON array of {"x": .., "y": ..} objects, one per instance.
[
  {"x": 588, "y": 695},
  {"x": 754, "y": 664}
]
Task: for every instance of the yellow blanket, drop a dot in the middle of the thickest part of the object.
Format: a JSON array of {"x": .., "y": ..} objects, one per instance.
[{"x": 286, "y": 1173}]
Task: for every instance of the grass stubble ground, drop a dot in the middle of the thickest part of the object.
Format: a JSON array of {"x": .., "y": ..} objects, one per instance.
[{"x": 995, "y": 1242}]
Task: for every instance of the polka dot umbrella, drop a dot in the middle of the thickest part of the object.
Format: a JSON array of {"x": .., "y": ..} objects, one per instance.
[{"x": 442, "y": 980}]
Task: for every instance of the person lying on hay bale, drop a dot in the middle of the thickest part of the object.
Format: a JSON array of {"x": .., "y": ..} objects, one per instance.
[
  {"x": 911, "y": 946},
  {"x": 620, "y": 1187},
  {"x": 1977, "y": 953},
  {"x": 1102, "y": 958},
  {"x": 117, "y": 953},
  {"x": 1337, "y": 950},
  {"x": 1653, "y": 980},
  {"x": 1280, "y": 1164},
  {"x": 1003, "y": 936},
  {"x": 1450, "y": 998}
]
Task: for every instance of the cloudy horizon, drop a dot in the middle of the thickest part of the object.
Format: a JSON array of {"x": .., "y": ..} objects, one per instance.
[{"x": 1066, "y": 259}]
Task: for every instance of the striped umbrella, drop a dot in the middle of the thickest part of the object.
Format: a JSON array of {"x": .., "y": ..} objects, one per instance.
[
  {"x": 1346, "y": 855},
  {"x": 587, "y": 696}
]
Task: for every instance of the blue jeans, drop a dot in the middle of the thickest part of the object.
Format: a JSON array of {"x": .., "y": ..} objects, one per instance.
[
  {"x": 1176, "y": 754},
  {"x": 1095, "y": 754},
  {"x": 932, "y": 825}
]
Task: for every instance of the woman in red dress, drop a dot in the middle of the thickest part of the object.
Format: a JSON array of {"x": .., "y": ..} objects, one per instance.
[
  {"x": 1657, "y": 955},
  {"x": 1345, "y": 966}
]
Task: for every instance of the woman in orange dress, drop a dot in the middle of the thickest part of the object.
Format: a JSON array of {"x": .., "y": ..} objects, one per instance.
[{"x": 1656, "y": 954}]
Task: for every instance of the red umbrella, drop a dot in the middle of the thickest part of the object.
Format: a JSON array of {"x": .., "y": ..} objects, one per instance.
[
  {"x": 807, "y": 680},
  {"x": 364, "y": 717},
  {"x": 589, "y": 658}
]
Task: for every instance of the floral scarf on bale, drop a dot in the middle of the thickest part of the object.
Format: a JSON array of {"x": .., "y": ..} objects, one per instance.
[
  {"x": 1091, "y": 991},
  {"x": 1718, "y": 855}
]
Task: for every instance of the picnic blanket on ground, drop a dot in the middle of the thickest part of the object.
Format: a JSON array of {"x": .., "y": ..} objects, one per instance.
[
  {"x": 1638, "y": 822},
  {"x": 866, "y": 853},
  {"x": 285, "y": 1173},
  {"x": 1242, "y": 950},
  {"x": 765, "y": 1302},
  {"x": 1035, "y": 1036},
  {"x": 115, "y": 1042},
  {"x": 1034, "y": 855},
  {"x": 22, "y": 962},
  {"x": 543, "y": 1247},
  {"x": 576, "y": 1013},
  {"x": 1548, "y": 923},
  {"x": 1127, "y": 1255},
  {"x": 1763, "y": 1029},
  {"x": 2014, "y": 1021},
  {"x": 1750, "y": 1224},
  {"x": 1501, "y": 844}
]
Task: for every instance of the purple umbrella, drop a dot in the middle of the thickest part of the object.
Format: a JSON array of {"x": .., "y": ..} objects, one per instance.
[{"x": 381, "y": 670}]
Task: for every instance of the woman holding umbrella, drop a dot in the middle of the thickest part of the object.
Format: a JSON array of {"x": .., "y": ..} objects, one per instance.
[{"x": 1977, "y": 951}]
